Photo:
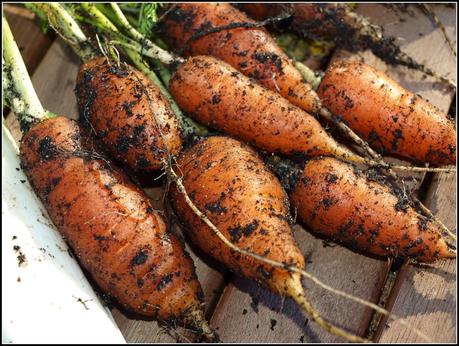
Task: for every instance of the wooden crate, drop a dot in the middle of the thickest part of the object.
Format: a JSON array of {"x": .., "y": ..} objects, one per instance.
[{"x": 240, "y": 310}]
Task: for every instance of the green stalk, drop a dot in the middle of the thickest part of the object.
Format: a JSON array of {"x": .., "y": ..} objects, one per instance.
[
  {"x": 106, "y": 9},
  {"x": 152, "y": 49},
  {"x": 308, "y": 74},
  {"x": 63, "y": 23},
  {"x": 43, "y": 19},
  {"x": 99, "y": 18},
  {"x": 17, "y": 87}
]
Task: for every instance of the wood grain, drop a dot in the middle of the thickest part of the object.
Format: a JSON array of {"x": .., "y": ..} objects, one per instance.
[
  {"x": 54, "y": 82},
  {"x": 339, "y": 267},
  {"x": 426, "y": 295}
]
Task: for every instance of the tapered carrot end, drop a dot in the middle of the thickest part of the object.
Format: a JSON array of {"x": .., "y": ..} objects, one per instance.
[
  {"x": 451, "y": 254},
  {"x": 294, "y": 289},
  {"x": 444, "y": 251},
  {"x": 197, "y": 321},
  {"x": 348, "y": 155}
]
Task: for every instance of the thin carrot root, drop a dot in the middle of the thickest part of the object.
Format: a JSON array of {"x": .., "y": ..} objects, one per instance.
[
  {"x": 295, "y": 290},
  {"x": 429, "y": 12},
  {"x": 379, "y": 161},
  {"x": 428, "y": 213},
  {"x": 424, "y": 169},
  {"x": 385, "y": 48},
  {"x": 451, "y": 254},
  {"x": 197, "y": 320},
  {"x": 326, "y": 114}
]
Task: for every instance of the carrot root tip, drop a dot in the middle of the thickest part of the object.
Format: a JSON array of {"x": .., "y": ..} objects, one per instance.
[{"x": 205, "y": 333}]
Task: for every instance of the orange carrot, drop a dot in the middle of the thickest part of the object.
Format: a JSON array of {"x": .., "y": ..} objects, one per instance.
[
  {"x": 111, "y": 226},
  {"x": 249, "y": 49},
  {"x": 387, "y": 115},
  {"x": 335, "y": 199},
  {"x": 128, "y": 113},
  {"x": 217, "y": 95},
  {"x": 228, "y": 182}
]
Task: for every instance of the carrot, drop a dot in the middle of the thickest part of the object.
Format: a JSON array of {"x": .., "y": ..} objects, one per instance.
[
  {"x": 308, "y": 19},
  {"x": 109, "y": 223},
  {"x": 219, "y": 96},
  {"x": 228, "y": 182},
  {"x": 363, "y": 210},
  {"x": 128, "y": 113},
  {"x": 151, "y": 50},
  {"x": 254, "y": 216},
  {"x": 224, "y": 32},
  {"x": 249, "y": 49},
  {"x": 123, "y": 108},
  {"x": 387, "y": 115},
  {"x": 338, "y": 22}
]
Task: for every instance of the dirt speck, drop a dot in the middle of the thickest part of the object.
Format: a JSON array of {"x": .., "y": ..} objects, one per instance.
[
  {"x": 22, "y": 260},
  {"x": 273, "y": 323}
]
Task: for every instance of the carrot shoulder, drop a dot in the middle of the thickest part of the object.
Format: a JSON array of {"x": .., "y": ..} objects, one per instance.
[{"x": 228, "y": 182}]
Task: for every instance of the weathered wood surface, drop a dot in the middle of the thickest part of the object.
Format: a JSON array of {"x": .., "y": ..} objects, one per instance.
[
  {"x": 342, "y": 268},
  {"x": 425, "y": 295},
  {"x": 237, "y": 320},
  {"x": 54, "y": 82}
]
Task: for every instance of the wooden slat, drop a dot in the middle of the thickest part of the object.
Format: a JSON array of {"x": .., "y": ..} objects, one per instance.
[
  {"x": 413, "y": 287},
  {"x": 54, "y": 82},
  {"x": 426, "y": 295},
  {"x": 362, "y": 276},
  {"x": 338, "y": 266},
  {"x": 28, "y": 35}
]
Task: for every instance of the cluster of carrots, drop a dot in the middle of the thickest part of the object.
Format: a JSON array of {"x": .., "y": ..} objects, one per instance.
[{"x": 235, "y": 80}]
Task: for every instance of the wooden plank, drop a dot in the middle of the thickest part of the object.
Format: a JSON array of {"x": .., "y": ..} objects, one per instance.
[
  {"x": 28, "y": 35},
  {"x": 426, "y": 294},
  {"x": 54, "y": 82},
  {"x": 339, "y": 267},
  {"x": 423, "y": 42}
]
